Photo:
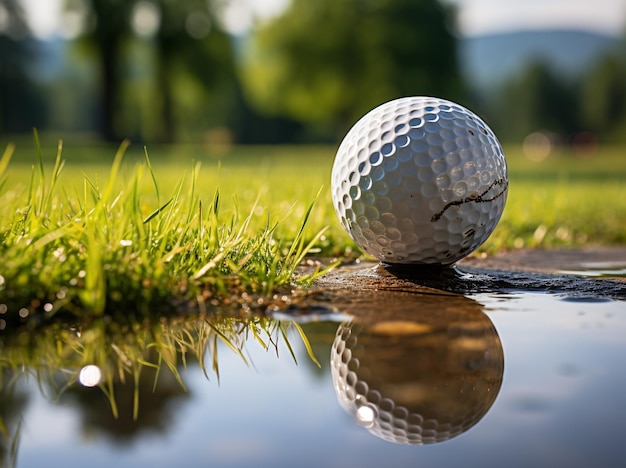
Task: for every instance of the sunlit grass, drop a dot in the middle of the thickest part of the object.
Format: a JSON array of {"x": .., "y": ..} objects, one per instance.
[
  {"x": 127, "y": 245},
  {"x": 563, "y": 201},
  {"x": 143, "y": 236}
]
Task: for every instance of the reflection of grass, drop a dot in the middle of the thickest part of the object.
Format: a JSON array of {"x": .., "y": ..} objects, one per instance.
[
  {"x": 56, "y": 355},
  {"x": 10, "y": 431}
]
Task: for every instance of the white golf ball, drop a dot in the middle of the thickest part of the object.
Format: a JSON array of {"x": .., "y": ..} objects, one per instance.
[
  {"x": 419, "y": 180},
  {"x": 418, "y": 388}
]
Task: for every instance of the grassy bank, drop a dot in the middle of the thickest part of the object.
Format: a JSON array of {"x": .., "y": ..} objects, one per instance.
[
  {"x": 89, "y": 229},
  {"x": 128, "y": 240}
]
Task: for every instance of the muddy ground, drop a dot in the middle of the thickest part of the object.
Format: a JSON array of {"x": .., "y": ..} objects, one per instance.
[
  {"x": 589, "y": 274},
  {"x": 591, "y": 259}
]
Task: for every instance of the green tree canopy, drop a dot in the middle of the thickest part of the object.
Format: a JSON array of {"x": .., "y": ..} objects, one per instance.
[
  {"x": 190, "y": 43},
  {"x": 20, "y": 104},
  {"x": 537, "y": 99},
  {"x": 110, "y": 31},
  {"x": 327, "y": 62},
  {"x": 604, "y": 97},
  {"x": 184, "y": 53}
]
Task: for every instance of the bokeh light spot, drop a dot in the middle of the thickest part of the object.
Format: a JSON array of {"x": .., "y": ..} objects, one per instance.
[{"x": 90, "y": 375}]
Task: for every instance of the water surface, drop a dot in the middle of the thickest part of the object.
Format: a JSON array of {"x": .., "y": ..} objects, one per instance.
[{"x": 483, "y": 379}]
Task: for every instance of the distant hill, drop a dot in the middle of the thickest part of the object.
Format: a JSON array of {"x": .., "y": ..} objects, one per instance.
[{"x": 490, "y": 59}]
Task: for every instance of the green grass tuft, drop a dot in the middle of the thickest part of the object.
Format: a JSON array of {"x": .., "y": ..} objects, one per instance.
[{"x": 119, "y": 250}]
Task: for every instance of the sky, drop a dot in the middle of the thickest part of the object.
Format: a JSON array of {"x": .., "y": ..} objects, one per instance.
[
  {"x": 487, "y": 16},
  {"x": 474, "y": 16}
]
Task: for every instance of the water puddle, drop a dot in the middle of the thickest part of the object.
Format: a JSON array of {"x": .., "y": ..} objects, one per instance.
[
  {"x": 409, "y": 374},
  {"x": 598, "y": 270}
]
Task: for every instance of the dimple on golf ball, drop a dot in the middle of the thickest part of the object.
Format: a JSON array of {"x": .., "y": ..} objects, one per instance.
[{"x": 419, "y": 180}]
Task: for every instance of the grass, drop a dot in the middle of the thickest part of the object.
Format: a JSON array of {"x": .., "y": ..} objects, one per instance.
[
  {"x": 140, "y": 234},
  {"x": 563, "y": 201},
  {"x": 133, "y": 246}
]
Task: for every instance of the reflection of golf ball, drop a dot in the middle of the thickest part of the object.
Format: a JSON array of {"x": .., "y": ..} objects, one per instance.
[
  {"x": 415, "y": 387},
  {"x": 419, "y": 180}
]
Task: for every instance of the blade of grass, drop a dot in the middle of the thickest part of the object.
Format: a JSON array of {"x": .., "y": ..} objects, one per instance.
[
  {"x": 283, "y": 332},
  {"x": 6, "y": 158},
  {"x": 115, "y": 167},
  {"x": 152, "y": 174},
  {"x": 307, "y": 343},
  {"x": 38, "y": 154},
  {"x": 15, "y": 444},
  {"x": 56, "y": 171},
  {"x": 156, "y": 212},
  {"x": 224, "y": 338}
]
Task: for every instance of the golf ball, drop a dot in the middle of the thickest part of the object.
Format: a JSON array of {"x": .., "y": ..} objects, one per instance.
[
  {"x": 419, "y": 180},
  {"x": 423, "y": 384}
]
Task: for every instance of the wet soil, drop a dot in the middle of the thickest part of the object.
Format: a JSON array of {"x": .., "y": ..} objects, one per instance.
[
  {"x": 569, "y": 273},
  {"x": 554, "y": 261}
]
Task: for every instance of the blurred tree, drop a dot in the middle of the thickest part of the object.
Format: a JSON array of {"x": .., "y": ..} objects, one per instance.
[
  {"x": 190, "y": 42},
  {"x": 109, "y": 30},
  {"x": 327, "y": 62},
  {"x": 537, "y": 99},
  {"x": 604, "y": 98},
  {"x": 191, "y": 56},
  {"x": 20, "y": 106}
]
